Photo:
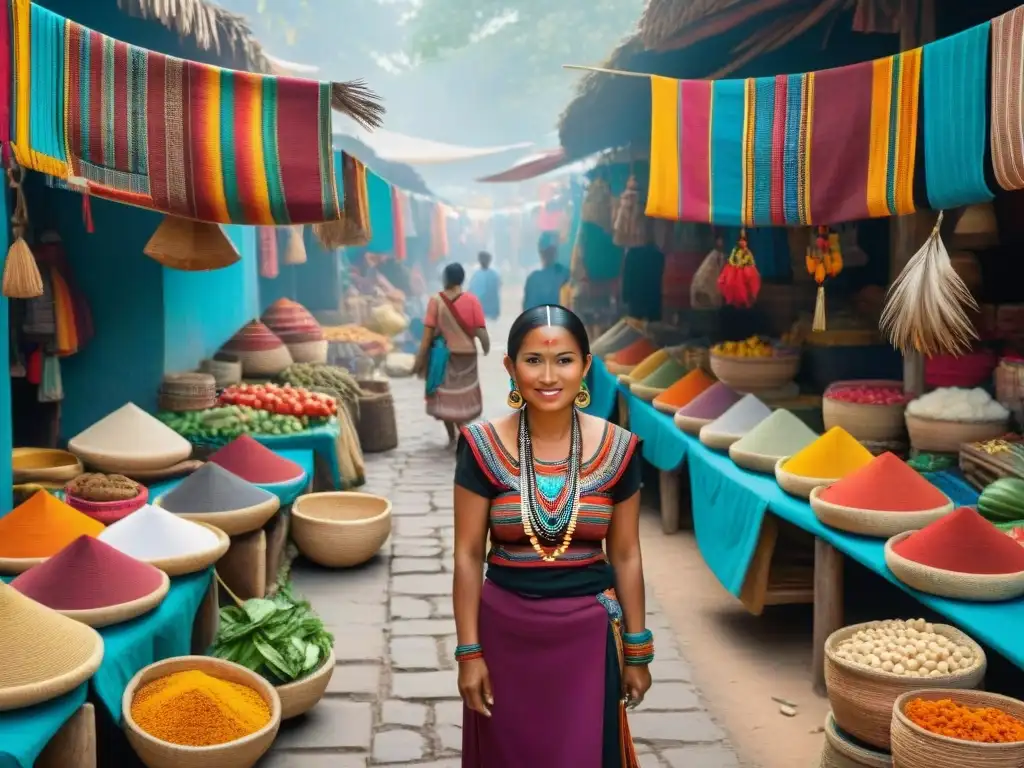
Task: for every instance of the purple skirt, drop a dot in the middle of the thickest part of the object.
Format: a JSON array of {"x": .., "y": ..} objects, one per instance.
[{"x": 546, "y": 659}]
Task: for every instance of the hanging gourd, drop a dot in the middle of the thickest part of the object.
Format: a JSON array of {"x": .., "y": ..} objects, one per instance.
[
  {"x": 824, "y": 261},
  {"x": 740, "y": 282}
]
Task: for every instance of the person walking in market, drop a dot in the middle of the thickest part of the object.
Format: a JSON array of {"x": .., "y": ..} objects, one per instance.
[
  {"x": 544, "y": 285},
  {"x": 447, "y": 357},
  {"x": 486, "y": 286},
  {"x": 552, "y": 647}
]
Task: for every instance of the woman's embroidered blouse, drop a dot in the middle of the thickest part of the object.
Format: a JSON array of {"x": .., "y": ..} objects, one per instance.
[{"x": 610, "y": 476}]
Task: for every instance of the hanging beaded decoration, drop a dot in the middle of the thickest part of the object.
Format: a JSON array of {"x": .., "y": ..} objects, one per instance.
[{"x": 538, "y": 525}]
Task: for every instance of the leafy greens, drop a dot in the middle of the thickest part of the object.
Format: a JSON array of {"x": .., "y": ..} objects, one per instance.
[{"x": 279, "y": 638}]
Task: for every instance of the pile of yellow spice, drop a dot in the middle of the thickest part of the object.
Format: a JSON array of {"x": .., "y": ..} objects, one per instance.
[{"x": 194, "y": 709}]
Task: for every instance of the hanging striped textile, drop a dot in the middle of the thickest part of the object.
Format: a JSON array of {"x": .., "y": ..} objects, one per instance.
[
  {"x": 955, "y": 123},
  {"x": 790, "y": 150},
  {"x": 175, "y": 136},
  {"x": 1007, "y": 93}
]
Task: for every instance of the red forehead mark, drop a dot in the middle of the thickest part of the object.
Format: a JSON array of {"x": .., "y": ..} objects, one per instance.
[{"x": 548, "y": 342}]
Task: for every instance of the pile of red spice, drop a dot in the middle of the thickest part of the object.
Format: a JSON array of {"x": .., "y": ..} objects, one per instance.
[
  {"x": 88, "y": 574},
  {"x": 963, "y": 542},
  {"x": 253, "y": 461},
  {"x": 885, "y": 484}
]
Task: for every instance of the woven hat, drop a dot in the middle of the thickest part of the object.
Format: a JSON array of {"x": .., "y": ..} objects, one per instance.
[
  {"x": 40, "y": 528},
  {"x": 129, "y": 440},
  {"x": 259, "y": 349},
  {"x": 222, "y": 499},
  {"x": 291, "y": 322},
  {"x": 92, "y": 582},
  {"x": 166, "y": 541},
  {"x": 253, "y": 461},
  {"x": 191, "y": 246},
  {"x": 45, "y": 655}
]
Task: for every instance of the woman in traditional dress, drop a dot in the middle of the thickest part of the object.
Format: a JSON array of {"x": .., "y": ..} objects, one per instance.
[
  {"x": 447, "y": 356},
  {"x": 552, "y": 647}
]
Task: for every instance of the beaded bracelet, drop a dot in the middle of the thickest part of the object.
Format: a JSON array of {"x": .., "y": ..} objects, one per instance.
[
  {"x": 638, "y": 647},
  {"x": 468, "y": 652}
]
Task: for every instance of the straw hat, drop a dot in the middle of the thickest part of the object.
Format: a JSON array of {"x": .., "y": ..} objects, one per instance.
[
  {"x": 259, "y": 349},
  {"x": 93, "y": 583},
  {"x": 220, "y": 498},
  {"x": 45, "y": 655},
  {"x": 129, "y": 439},
  {"x": 166, "y": 541},
  {"x": 298, "y": 329},
  {"x": 192, "y": 246}
]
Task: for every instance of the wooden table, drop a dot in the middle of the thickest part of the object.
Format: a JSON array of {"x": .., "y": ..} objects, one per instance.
[{"x": 74, "y": 745}]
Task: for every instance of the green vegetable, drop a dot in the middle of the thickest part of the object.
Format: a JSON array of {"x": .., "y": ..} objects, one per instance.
[
  {"x": 1003, "y": 500},
  {"x": 279, "y": 638}
]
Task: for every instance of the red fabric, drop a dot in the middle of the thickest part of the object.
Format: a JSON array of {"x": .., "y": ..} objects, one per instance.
[
  {"x": 399, "y": 224},
  {"x": 467, "y": 308},
  {"x": 694, "y": 144}
]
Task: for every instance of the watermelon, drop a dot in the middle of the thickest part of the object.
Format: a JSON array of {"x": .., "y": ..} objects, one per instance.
[{"x": 1003, "y": 500}]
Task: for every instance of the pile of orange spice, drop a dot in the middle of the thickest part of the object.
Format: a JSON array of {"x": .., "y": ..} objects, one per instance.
[{"x": 957, "y": 721}]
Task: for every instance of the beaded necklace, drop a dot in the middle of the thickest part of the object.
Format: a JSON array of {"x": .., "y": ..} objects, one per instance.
[{"x": 537, "y": 524}]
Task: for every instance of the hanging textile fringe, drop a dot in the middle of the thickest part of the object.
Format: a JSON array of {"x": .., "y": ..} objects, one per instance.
[
  {"x": 630, "y": 227},
  {"x": 740, "y": 282},
  {"x": 924, "y": 309},
  {"x": 597, "y": 205},
  {"x": 21, "y": 273},
  {"x": 295, "y": 250},
  {"x": 267, "y": 241},
  {"x": 824, "y": 260},
  {"x": 353, "y": 228}
]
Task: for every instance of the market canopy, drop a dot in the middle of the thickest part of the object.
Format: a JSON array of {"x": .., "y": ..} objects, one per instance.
[
  {"x": 534, "y": 165},
  {"x": 399, "y": 148}
]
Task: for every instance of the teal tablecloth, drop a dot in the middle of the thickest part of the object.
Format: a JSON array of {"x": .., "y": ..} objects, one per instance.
[
  {"x": 127, "y": 648},
  {"x": 664, "y": 444},
  {"x": 286, "y": 492},
  {"x": 604, "y": 388},
  {"x": 24, "y": 733}
]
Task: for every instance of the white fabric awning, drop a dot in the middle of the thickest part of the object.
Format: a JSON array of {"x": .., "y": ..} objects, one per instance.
[{"x": 399, "y": 148}]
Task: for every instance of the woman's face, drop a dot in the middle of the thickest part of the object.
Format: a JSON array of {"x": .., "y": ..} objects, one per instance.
[{"x": 549, "y": 368}]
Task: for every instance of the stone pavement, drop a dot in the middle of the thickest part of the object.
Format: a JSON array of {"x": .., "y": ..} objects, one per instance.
[{"x": 393, "y": 699}]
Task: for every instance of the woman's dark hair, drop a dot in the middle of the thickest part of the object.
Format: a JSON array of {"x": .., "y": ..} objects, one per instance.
[
  {"x": 453, "y": 275},
  {"x": 539, "y": 317}
]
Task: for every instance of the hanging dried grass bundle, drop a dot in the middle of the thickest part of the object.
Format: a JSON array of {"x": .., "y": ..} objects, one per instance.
[
  {"x": 924, "y": 310},
  {"x": 358, "y": 102},
  {"x": 630, "y": 227},
  {"x": 295, "y": 251},
  {"x": 597, "y": 204},
  {"x": 21, "y": 273}
]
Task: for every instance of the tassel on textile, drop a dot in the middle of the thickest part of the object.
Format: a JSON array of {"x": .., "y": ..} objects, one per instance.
[
  {"x": 824, "y": 261},
  {"x": 22, "y": 279},
  {"x": 925, "y": 307},
  {"x": 358, "y": 102},
  {"x": 267, "y": 241},
  {"x": 740, "y": 282},
  {"x": 295, "y": 250}
]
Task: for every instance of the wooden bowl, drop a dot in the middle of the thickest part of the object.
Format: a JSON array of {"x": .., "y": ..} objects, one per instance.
[
  {"x": 340, "y": 529},
  {"x": 756, "y": 374},
  {"x": 241, "y": 753},
  {"x": 301, "y": 696},
  {"x": 44, "y": 465},
  {"x": 937, "y": 436}
]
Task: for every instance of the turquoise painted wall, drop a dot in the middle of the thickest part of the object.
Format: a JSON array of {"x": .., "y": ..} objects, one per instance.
[
  {"x": 202, "y": 310},
  {"x": 5, "y": 381}
]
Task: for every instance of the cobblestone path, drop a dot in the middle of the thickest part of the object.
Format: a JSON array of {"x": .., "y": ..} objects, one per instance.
[{"x": 393, "y": 699}]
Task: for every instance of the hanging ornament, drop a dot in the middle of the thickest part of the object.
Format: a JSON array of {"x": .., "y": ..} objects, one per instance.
[
  {"x": 824, "y": 260},
  {"x": 21, "y": 279},
  {"x": 630, "y": 228},
  {"x": 740, "y": 282}
]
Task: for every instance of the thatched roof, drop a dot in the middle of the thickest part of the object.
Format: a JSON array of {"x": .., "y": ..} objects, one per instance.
[{"x": 210, "y": 26}]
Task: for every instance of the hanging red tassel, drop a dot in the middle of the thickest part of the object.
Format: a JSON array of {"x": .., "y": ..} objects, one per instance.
[
  {"x": 739, "y": 281},
  {"x": 87, "y": 213}
]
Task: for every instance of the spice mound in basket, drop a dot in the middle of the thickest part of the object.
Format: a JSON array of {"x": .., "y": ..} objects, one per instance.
[
  {"x": 42, "y": 526},
  {"x": 755, "y": 346},
  {"x": 963, "y": 542},
  {"x": 870, "y": 410},
  {"x": 683, "y": 391},
  {"x": 194, "y": 709},
  {"x": 130, "y": 440},
  {"x": 834, "y": 455},
  {"x": 987, "y": 725},
  {"x": 253, "y": 461},
  {"x": 153, "y": 533},
  {"x": 734, "y": 423},
  {"x": 706, "y": 407}
]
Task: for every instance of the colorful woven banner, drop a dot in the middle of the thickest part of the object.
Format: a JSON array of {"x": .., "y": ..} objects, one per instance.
[
  {"x": 175, "y": 136},
  {"x": 1007, "y": 93},
  {"x": 790, "y": 150}
]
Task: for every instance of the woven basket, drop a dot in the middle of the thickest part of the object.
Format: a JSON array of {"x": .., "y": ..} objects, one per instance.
[
  {"x": 189, "y": 391},
  {"x": 755, "y": 462},
  {"x": 234, "y": 522},
  {"x": 44, "y": 465},
  {"x": 186, "y": 467},
  {"x": 1009, "y": 378},
  {"x": 374, "y": 386},
  {"x": 937, "y": 436},
  {"x": 798, "y": 485},
  {"x": 671, "y": 410},
  {"x": 870, "y": 522},
  {"x": 875, "y": 423},
  {"x": 225, "y": 371},
  {"x": 976, "y": 587},
  {"x": 862, "y": 698},
  {"x": 618, "y": 369},
  {"x": 691, "y": 425},
  {"x": 12, "y": 566},
  {"x": 340, "y": 530},
  {"x": 301, "y": 696},
  {"x": 914, "y": 747},
  {"x": 241, "y": 753},
  {"x": 645, "y": 393},
  {"x": 107, "y": 512},
  {"x": 841, "y": 751},
  {"x": 309, "y": 351},
  {"x": 184, "y": 564},
  {"x": 191, "y": 246},
  {"x": 117, "y": 614},
  {"x": 717, "y": 441},
  {"x": 755, "y": 374},
  {"x": 377, "y": 425}
]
